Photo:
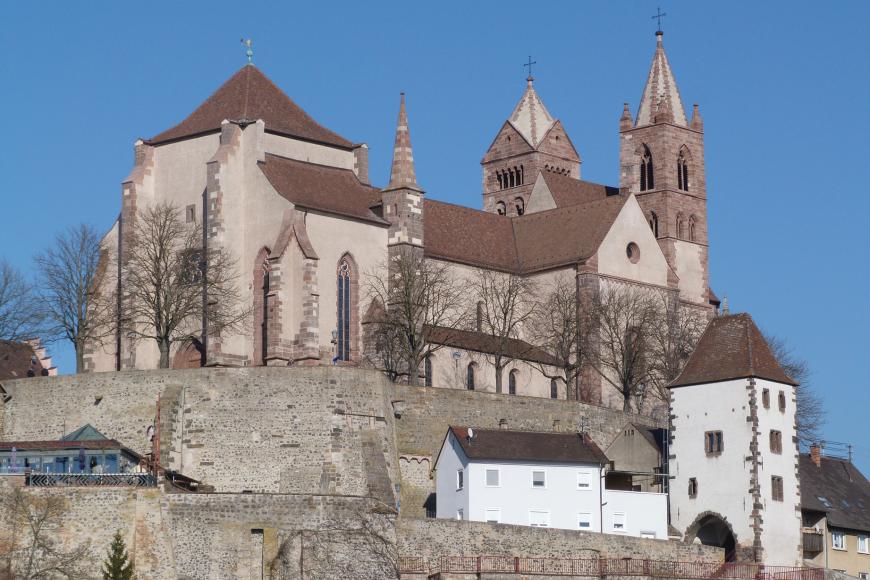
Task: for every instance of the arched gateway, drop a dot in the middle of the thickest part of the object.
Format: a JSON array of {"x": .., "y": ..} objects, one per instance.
[{"x": 711, "y": 529}]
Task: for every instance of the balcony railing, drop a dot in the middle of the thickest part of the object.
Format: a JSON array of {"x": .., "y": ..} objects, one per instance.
[
  {"x": 91, "y": 480},
  {"x": 814, "y": 541}
]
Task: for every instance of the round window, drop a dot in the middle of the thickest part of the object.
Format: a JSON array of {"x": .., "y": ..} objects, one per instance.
[{"x": 633, "y": 252}]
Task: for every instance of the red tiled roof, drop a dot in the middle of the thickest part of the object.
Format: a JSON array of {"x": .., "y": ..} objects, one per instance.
[
  {"x": 731, "y": 347},
  {"x": 322, "y": 188},
  {"x": 569, "y": 191},
  {"x": 518, "y": 244},
  {"x": 249, "y": 95},
  {"x": 505, "y": 445},
  {"x": 16, "y": 359},
  {"x": 486, "y": 343}
]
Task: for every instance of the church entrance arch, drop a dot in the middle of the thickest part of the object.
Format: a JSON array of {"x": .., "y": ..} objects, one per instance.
[{"x": 711, "y": 529}]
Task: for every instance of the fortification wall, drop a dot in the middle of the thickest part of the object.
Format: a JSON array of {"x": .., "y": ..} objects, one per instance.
[{"x": 432, "y": 538}]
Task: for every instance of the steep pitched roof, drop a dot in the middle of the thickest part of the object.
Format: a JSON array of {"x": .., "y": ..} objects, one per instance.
[
  {"x": 18, "y": 360},
  {"x": 486, "y": 343},
  {"x": 731, "y": 347},
  {"x": 249, "y": 95},
  {"x": 505, "y": 445},
  {"x": 838, "y": 489},
  {"x": 660, "y": 95},
  {"x": 569, "y": 191},
  {"x": 84, "y": 433},
  {"x": 530, "y": 117},
  {"x": 322, "y": 188},
  {"x": 522, "y": 243}
]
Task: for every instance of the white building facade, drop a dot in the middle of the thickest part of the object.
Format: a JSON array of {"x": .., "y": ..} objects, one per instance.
[
  {"x": 734, "y": 459},
  {"x": 553, "y": 480}
]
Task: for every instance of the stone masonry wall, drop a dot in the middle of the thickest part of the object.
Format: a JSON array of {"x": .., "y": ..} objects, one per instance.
[{"x": 432, "y": 538}]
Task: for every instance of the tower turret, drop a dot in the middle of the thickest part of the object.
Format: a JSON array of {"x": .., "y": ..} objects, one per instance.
[
  {"x": 662, "y": 163},
  {"x": 403, "y": 197}
]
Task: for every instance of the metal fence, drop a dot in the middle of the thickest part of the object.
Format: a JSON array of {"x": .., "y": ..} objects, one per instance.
[
  {"x": 603, "y": 567},
  {"x": 91, "y": 480}
]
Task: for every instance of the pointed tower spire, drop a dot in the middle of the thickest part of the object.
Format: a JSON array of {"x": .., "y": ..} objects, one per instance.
[
  {"x": 402, "y": 173},
  {"x": 530, "y": 117},
  {"x": 661, "y": 100}
]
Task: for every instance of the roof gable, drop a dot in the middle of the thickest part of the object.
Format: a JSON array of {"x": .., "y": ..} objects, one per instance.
[
  {"x": 838, "y": 489},
  {"x": 732, "y": 347},
  {"x": 518, "y": 144},
  {"x": 84, "y": 433},
  {"x": 249, "y": 95}
]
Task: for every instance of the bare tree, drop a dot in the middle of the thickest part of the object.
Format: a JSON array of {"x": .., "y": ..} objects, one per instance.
[
  {"x": 507, "y": 302},
  {"x": 419, "y": 295},
  {"x": 30, "y": 550},
  {"x": 810, "y": 414},
  {"x": 672, "y": 338},
  {"x": 562, "y": 329},
  {"x": 624, "y": 317},
  {"x": 69, "y": 278},
  {"x": 20, "y": 314},
  {"x": 172, "y": 286}
]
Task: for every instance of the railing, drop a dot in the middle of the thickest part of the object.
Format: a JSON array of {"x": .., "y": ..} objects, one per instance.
[
  {"x": 91, "y": 479},
  {"x": 604, "y": 567},
  {"x": 813, "y": 541}
]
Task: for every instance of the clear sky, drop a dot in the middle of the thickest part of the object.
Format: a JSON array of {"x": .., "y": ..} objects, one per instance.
[{"x": 784, "y": 90}]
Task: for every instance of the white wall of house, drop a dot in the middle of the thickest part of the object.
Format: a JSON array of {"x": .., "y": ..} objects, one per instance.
[
  {"x": 450, "y": 497},
  {"x": 638, "y": 514}
]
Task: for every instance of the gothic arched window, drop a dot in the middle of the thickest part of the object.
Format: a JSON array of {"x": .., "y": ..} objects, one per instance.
[
  {"x": 498, "y": 177},
  {"x": 647, "y": 179},
  {"x": 654, "y": 223},
  {"x": 692, "y": 228},
  {"x": 479, "y": 313},
  {"x": 512, "y": 177},
  {"x": 512, "y": 382},
  {"x": 345, "y": 303},
  {"x": 427, "y": 366},
  {"x": 554, "y": 389},
  {"x": 261, "y": 306},
  {"x": 522, "y": 175},
  {"x": 520, "y": 205},
  {"x": 501, "y": 208},
  {"x": 681, "y": 227},
  {"x": 469, "y": 376},
  {"x": 683, "y": 171}
]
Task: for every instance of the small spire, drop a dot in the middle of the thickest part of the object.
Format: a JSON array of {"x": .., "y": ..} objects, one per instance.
[
  {"x": 661, "y": 100},
  {"x": 250, "y": 49},
  {"x": 725, "y": 305},
  {"x": 402, "y": 173},
  {"x": 697, "y": 122},
  {"x": 625, "y": 119}
]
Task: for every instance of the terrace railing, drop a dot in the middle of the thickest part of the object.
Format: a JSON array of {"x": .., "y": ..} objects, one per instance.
[{"x": 91, "y": 480}]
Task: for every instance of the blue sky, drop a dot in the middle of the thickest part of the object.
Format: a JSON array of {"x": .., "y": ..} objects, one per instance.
[{"x": 784, "y": 89}]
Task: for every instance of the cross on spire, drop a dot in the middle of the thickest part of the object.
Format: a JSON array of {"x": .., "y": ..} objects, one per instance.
[
  {"x": 658, "y": 16},
  {"x": 529, "y": 66},
  {"x": 250, "y": 49}
]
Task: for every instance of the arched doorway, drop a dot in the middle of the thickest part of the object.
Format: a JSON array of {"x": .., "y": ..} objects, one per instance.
[{"x": 711, "y": 529}]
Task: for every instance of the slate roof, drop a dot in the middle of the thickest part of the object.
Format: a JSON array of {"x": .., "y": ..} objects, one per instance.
[
  {"x": 322, "y": 188},
  {"x": 16, "y": 359},
  {"x": 842, "y": 486},
  {"x": 543, "y": 447},
  {"x": 486, "y": 343},
  {"x": 731, "y": 347},
  {"x": 249, "y": 95},
  {"x": 519, "y": 244},
  {"x": 569, "y": 191}
]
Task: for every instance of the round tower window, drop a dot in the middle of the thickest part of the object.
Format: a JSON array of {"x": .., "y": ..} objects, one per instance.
[{"x": 633, "y": 252}]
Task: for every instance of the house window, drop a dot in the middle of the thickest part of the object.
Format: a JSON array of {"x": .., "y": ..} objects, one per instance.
[
  {"x": 864, "y": 544},
  {"x": 776, "y": 488},
  {"x": 554, "y": 389},
  {"x": 190, "y": 214},
  {"x": 539, "y": 479},
  {"x": 512, "y": 382},
  {"x": 775, "y": 441},
  {"x": 838, "y": 540},
  {"x": 713, "y": 442},
  {"x": 693, "y": 487},
  {"x": 584, "y": 521},
  {"x": 343, "y": 336},
  {"x": 539, "y": 519},
  {"x": 459, "y": 514},
  {"x": 460, "y": 479},
  {"x": 427, "y": 370},
  {"x": 781, "y": 402},
  {"x": 584, "y": 480},
  {"x": 863, "y": 575},
  {"x": 648, "y": 535},
  {"x": 492, "y": 478},
  {"x": 619, "y": 522},
  {"x": 469, "y": 376},
  {"x": 765, "y": 398},
  {"x": 492, "y": 515},
  {"x": 647, "y": 180}
]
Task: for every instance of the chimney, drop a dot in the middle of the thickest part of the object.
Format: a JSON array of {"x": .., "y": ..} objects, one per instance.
[{"x": 816, "y": 454}]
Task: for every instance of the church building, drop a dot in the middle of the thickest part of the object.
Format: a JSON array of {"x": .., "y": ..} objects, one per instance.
[{"x": 292, "y": 201}]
